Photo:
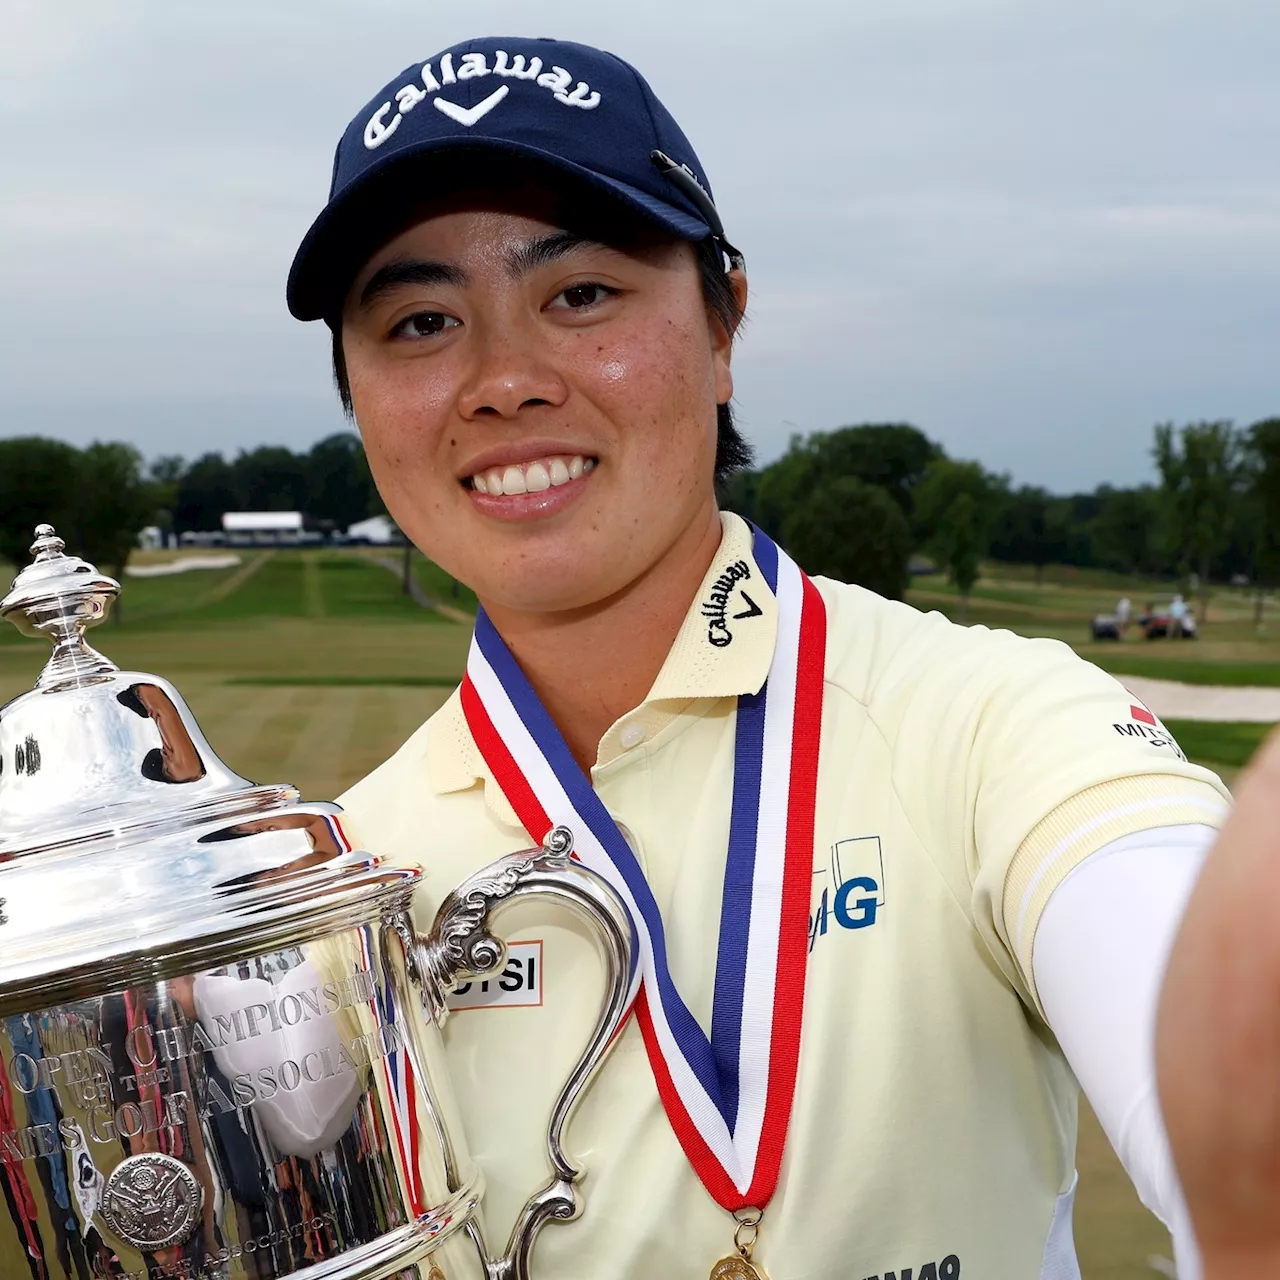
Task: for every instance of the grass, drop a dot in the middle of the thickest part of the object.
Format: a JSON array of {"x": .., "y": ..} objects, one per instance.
[
  {"x": 1231, "y": 649},
  {"x": 1188, "y": 671},
  {"x": 307, "y": 667},
  {"x": 1217, "y": 744},
  {"x": 440, "y": 586},
  {"x": 1116, "y": 1238},
  {"x": 312, "y": 667},
  {"x": 348, "y": 682}
]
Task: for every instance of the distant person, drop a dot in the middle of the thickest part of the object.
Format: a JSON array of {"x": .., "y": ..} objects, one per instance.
[
  {"x": 924, "y": 844},
  {"x": 1124, "y": 612},
  {"x": 1177, "y": 612}
]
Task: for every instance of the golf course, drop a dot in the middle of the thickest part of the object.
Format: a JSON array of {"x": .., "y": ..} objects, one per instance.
[{"x": 312, "y": 666}]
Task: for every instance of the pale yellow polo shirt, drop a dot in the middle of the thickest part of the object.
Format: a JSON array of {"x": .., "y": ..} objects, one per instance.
[{"x": 964, "y": 772}]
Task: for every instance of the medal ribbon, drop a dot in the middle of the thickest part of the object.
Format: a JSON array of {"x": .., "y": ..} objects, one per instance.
[{"x": 728, "y": 1097}]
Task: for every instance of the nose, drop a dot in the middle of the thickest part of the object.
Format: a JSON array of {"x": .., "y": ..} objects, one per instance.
[{"x": 510, "y": 373}]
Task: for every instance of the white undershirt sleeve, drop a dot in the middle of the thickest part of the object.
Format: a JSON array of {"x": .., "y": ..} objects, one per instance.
[{"x": 1099, "y": 959}]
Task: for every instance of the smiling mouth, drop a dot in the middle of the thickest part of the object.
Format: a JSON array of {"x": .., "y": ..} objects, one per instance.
[{"x": 530, "y": 477}]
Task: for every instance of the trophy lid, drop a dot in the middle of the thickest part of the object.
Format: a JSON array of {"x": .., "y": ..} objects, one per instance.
[{"x": 121, "y": 832}]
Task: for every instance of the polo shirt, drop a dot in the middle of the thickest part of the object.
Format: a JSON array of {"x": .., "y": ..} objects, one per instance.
[{"x": 963, "y": 773}]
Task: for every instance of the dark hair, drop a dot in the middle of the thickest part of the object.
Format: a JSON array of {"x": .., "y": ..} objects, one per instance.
[{"x": 733, "y": 452}]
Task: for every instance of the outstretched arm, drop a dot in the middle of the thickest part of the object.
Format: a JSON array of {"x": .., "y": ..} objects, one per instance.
[
  {"x": 1218, "y": 1038},
  {"x": 1100, "y": 956}
]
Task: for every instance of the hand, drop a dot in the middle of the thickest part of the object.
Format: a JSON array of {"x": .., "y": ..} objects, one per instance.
[{"x": 1218, "y": 1038}]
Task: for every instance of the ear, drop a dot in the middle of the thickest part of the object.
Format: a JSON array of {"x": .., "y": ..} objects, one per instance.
[{"x": 722, "y": 338}]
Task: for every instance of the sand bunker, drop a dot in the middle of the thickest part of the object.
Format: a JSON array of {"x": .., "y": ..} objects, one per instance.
[
  {"x": 1171, "y": 700},
  {"x": 185, "y": 565}
]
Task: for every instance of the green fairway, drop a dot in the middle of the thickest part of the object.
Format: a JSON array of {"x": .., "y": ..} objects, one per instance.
[
  {"x": 1219, "y": 745},
  {"x": 312, "y": 667},
  {"x": 307, "y": 667},
  {"x": 1185, "y": 670},
  {"x": 1230, "y": 650}
]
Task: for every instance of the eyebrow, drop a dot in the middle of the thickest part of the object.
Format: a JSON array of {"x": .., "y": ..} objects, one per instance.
[
  {"x": 411, "y": 271},
  {"x": 522, "y": 260},
  {"x": 547, "y": 249}
]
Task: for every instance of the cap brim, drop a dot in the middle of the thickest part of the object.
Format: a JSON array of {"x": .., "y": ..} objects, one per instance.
[{"x": 354, "y": 224}]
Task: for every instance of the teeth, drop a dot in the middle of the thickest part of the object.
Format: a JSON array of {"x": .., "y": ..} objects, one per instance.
[{"x": 532, "y": 477}]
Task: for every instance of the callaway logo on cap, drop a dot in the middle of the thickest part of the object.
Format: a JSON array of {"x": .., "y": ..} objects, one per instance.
[{"x": 578, "y": 110}]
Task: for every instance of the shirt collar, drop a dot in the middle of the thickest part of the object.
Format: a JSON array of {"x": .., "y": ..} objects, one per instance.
[{"x": 724, "y": 648}]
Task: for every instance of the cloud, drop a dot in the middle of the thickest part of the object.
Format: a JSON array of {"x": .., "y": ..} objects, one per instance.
[{"x": 1032, "y": 229}]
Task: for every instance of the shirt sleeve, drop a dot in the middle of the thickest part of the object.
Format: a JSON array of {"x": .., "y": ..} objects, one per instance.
[
  {"x": 1100, "y": 956},
  {"x": 1017, "y": 759}
]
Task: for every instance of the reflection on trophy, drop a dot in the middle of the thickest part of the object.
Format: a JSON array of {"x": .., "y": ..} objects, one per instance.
[{"x": 220, "y": 1047}]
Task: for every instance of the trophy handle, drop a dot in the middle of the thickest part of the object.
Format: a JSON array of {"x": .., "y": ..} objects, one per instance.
[{"x": 461, "y": 946}]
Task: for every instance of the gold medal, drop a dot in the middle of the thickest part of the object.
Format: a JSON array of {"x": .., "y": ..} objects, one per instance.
[{"x": 738, "y": 1266}]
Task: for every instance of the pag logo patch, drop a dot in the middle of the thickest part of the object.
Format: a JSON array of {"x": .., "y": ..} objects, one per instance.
[
  {"x": 517, "y": 985},
  {"x": 475, "y": 66},
  {"x": 716, "y": 607},
  {"x": 1144, "y": 724},
  {"x": 848, "y": 888}
]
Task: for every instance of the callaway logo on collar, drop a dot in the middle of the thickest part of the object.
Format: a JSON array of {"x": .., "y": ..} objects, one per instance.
[{"x": 461, "y": 115}]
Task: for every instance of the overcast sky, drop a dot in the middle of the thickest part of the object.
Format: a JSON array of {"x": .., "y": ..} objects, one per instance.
[{"x": 1034, "y": 229}]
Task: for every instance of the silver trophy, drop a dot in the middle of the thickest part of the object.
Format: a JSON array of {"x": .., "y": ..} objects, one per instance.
[{"x": 220, "y": 1046}]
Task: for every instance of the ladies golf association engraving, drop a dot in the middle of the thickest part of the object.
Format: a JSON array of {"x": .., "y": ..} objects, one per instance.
[
  {"x": 152, "y": 1201},
  {"x": 220, "y": 1045}
]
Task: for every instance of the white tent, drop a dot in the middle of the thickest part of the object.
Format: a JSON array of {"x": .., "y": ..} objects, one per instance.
[
  {"x": 262, "y": 521},
  {"x": 377, "y": 529},
  {"x": 246, "y": 528}
]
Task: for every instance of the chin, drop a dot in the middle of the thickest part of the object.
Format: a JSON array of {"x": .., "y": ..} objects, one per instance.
[{"x": 547, "y": 596}]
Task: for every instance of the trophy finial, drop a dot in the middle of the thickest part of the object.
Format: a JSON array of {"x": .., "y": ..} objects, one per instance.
[
  {"x": 47, "y": 543},
  {"x": 60, "y": 596}
]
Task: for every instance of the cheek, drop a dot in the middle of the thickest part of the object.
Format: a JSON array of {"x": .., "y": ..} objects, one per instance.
[
  {"x": 401, "y": 415},
  {"x": 656, "y": 383}
]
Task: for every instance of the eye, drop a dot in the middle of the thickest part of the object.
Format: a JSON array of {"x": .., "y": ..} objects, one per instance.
[
  {"x": 424, "y": 324},
  {"x": 579, "y": 296}
]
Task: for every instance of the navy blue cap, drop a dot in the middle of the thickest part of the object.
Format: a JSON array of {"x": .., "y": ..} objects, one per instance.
[{"x": 583, "y": 112}]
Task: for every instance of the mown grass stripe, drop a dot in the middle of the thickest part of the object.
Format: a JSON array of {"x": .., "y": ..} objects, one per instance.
[
  {"x": 275, "y": 738},
  {"x": 1217, "y": 742},
  {"x": 312, "y": 588},
  {"x": 228, "y": 586},
  {"x": 229, "y": 719},
  {"x": 317, "y": 750}
]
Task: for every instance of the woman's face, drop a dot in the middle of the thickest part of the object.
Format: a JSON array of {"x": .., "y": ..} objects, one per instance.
[{"x": 539, "y": 410}]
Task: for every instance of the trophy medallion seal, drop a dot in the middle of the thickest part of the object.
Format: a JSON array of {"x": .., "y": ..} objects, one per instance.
[{"x": 152, "y": 1201}]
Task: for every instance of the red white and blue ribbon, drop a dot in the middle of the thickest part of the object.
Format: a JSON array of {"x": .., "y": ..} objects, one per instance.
[
  {"x": 728, "y": 1096},
  {"x": 396, "y": 1066}
]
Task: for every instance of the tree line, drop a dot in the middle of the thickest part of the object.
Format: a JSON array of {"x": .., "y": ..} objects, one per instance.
[
  {"x": 858, "y": 502},
  {"x": 100, "y": 497},
  {"x": 854, "y": 503}
]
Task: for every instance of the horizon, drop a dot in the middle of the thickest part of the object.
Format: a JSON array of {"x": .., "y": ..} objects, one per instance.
[{"x": 1034, "y": 235}]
